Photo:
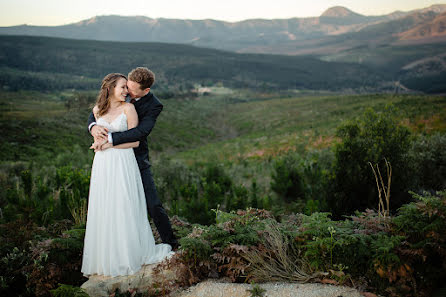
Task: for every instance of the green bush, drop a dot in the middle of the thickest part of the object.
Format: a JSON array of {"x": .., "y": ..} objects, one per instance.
[
  {"x": 193, "y": 193},
  {"x": 301, "y": 184},
  {"x": 31, "y": 199},
  {"x": 239, "y": 199},
  {"x": 428, "y": 156},
  {"x": 37, "y": 258},
  {"x": 286, "y": 179},
  {"x": 12, "y": 277},
  {"x": 68, "y": 291},
  {"x": 215, "y": 173},
  {"x": 196, "y": 248},
  {"x": 194, "y": 206},
  {"x": 374, "y": 137},
  {"x": 44, "y": 198},
  {"x": 56, "y": 260},
  {"x": 423, "y": 224},
  {"x": 316, "y": 173},
  {"x": 171, "y": 179}
]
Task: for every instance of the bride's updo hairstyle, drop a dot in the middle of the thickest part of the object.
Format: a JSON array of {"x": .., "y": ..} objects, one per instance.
[{"x": 107, "y": 88}]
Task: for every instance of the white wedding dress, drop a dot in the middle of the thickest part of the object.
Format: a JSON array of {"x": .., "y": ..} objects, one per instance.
[{"x": 118, "y": 237}]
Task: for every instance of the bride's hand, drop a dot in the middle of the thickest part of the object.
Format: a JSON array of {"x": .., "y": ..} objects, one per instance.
[
  {"x": 97, "y": 145},
  {"x": 105, "y": 146},
  {"x": 100, "y": 139}
]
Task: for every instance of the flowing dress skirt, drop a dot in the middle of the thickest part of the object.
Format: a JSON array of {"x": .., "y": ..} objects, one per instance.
[{"x": 118, "y": 237}]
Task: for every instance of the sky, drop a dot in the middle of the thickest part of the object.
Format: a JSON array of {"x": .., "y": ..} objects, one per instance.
[{"x": 61, "y": 12}]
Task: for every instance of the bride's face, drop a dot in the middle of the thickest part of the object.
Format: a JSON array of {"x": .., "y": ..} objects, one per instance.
[{"x": 120, "y": 91}]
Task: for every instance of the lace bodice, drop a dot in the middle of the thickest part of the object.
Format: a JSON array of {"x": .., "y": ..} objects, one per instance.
[{"x": 119, "y": 124}]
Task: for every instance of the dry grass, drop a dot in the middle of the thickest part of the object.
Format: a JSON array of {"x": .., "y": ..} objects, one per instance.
[
  {"x": 383, "y": 189},
  {"x": 276, "y": 259},
  {"x": 78, "y": 210}
]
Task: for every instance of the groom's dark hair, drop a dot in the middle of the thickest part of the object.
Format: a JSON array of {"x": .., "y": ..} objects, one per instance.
[{"x": 143, "y": 76}]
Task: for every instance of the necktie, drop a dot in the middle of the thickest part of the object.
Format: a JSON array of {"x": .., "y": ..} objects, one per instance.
[{"x": 132, "y": 100}]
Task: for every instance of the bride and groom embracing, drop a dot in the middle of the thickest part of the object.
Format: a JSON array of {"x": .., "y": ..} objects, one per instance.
[{"x": 118, "y": 237}]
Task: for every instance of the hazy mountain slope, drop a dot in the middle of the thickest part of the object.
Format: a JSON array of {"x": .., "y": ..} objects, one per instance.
[
  {"x": 332, "y": 32},
  {"x": 23, "y": 57},
  {"x": 434, "y": 28},
  {"x": 245, "y": 36},
  {"x": 392, "y": 28},
  {"x": 418, "y": 66}
]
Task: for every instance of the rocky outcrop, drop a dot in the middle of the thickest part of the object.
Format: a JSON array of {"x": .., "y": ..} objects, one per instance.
[
  {"x": 102, "y": 286},
  {"x": 219, "y": 289},
  {"x": 99, "y": 286}
]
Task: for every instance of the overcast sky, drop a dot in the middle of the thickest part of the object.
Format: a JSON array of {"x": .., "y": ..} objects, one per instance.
[{"x": 60, "y": 12}]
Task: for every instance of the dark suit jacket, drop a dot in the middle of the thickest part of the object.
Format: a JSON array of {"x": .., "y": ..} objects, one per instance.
[{"x": 148, "y": 108}]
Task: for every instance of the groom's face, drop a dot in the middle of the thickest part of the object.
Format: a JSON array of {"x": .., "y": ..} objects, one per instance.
[{"x": 135, "y": 89}]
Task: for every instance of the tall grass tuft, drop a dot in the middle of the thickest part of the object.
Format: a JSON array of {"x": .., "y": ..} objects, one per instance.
[
  {"x": 78, "y": 209},
  {"x": 383, "y": 210},
  {"x": 276, "y": 259}
]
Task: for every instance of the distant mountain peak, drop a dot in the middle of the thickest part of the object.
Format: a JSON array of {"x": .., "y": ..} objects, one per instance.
[
  {"x": 87, "y": 21},
  {"x": 106, "y": 20},
  {"x": 339, "y": 12},
  {"x": 437, "y": 8}
]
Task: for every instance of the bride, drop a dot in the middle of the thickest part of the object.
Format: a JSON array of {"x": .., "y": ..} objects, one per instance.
[{"x": 118, "y": 237}]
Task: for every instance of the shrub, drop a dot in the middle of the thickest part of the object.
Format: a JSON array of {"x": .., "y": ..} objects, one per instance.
[
  {"x": 373, "y": 138},
  {"x": 316, "y": 170},
  {"x": 42, "y": 199},
  {"x": 428, "y": 156},
  {"x": 423, "y": 225},
  {"x": 56, "y": 260},
  {"x": 171, "y": 178},
  {"x": 239, "y": 199},
  {"x": 194, "y": 206},
  {"x": 216, "y": 174},
  {"x": 12, "y": 278},
  {"x": 68, "y": 291},
  {"x": 286, "y": 179},
  {"x": 37, "y": 258},
  {"x": 30, "y": 200}
]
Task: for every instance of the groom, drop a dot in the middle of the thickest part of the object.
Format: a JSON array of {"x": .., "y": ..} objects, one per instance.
[{"x": 148, "y": 107}]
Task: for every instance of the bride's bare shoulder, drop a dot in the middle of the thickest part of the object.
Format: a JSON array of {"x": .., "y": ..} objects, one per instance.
[
  {"x": 129, "y": 107},
  {"x": 95, "y": 110}
]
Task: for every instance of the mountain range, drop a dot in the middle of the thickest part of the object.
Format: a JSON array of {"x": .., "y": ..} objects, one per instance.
[
  {"x": 340, "y": 51},
  {"x": 337, "y": 29}
]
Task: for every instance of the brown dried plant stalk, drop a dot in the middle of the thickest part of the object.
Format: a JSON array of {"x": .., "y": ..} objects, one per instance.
[
  {"x": 78, "y": 210},
  {"x": 276, "y": 259},
  {"x": 383, "y": 210}
]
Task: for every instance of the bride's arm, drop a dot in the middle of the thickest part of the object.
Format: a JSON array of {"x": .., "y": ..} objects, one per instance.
[{"x": 132, "y": 122}]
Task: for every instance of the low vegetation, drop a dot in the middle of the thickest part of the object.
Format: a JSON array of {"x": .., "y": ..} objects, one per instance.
[{"x": 280, "y": 186}]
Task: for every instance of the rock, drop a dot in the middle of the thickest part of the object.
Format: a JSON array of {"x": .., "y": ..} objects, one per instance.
[
  {"x": 98, "y": 285},
  {"x": 219, "y": 289}
]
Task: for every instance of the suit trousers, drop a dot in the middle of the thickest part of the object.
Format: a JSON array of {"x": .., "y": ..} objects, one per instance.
[{"x": 156, "y": 209}]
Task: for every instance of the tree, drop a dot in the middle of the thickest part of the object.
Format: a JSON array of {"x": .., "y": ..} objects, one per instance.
[{"x": 373, "y": 137}]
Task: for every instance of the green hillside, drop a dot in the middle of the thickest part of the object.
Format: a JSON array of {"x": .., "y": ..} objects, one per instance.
[
  {"x": 39, "y": 62},
  {"x": 244, "y": 132},
  {"x": 428, "y": 73},
  {"x": 233, "y": 127},
  {"x": 390, "y": 58}
]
